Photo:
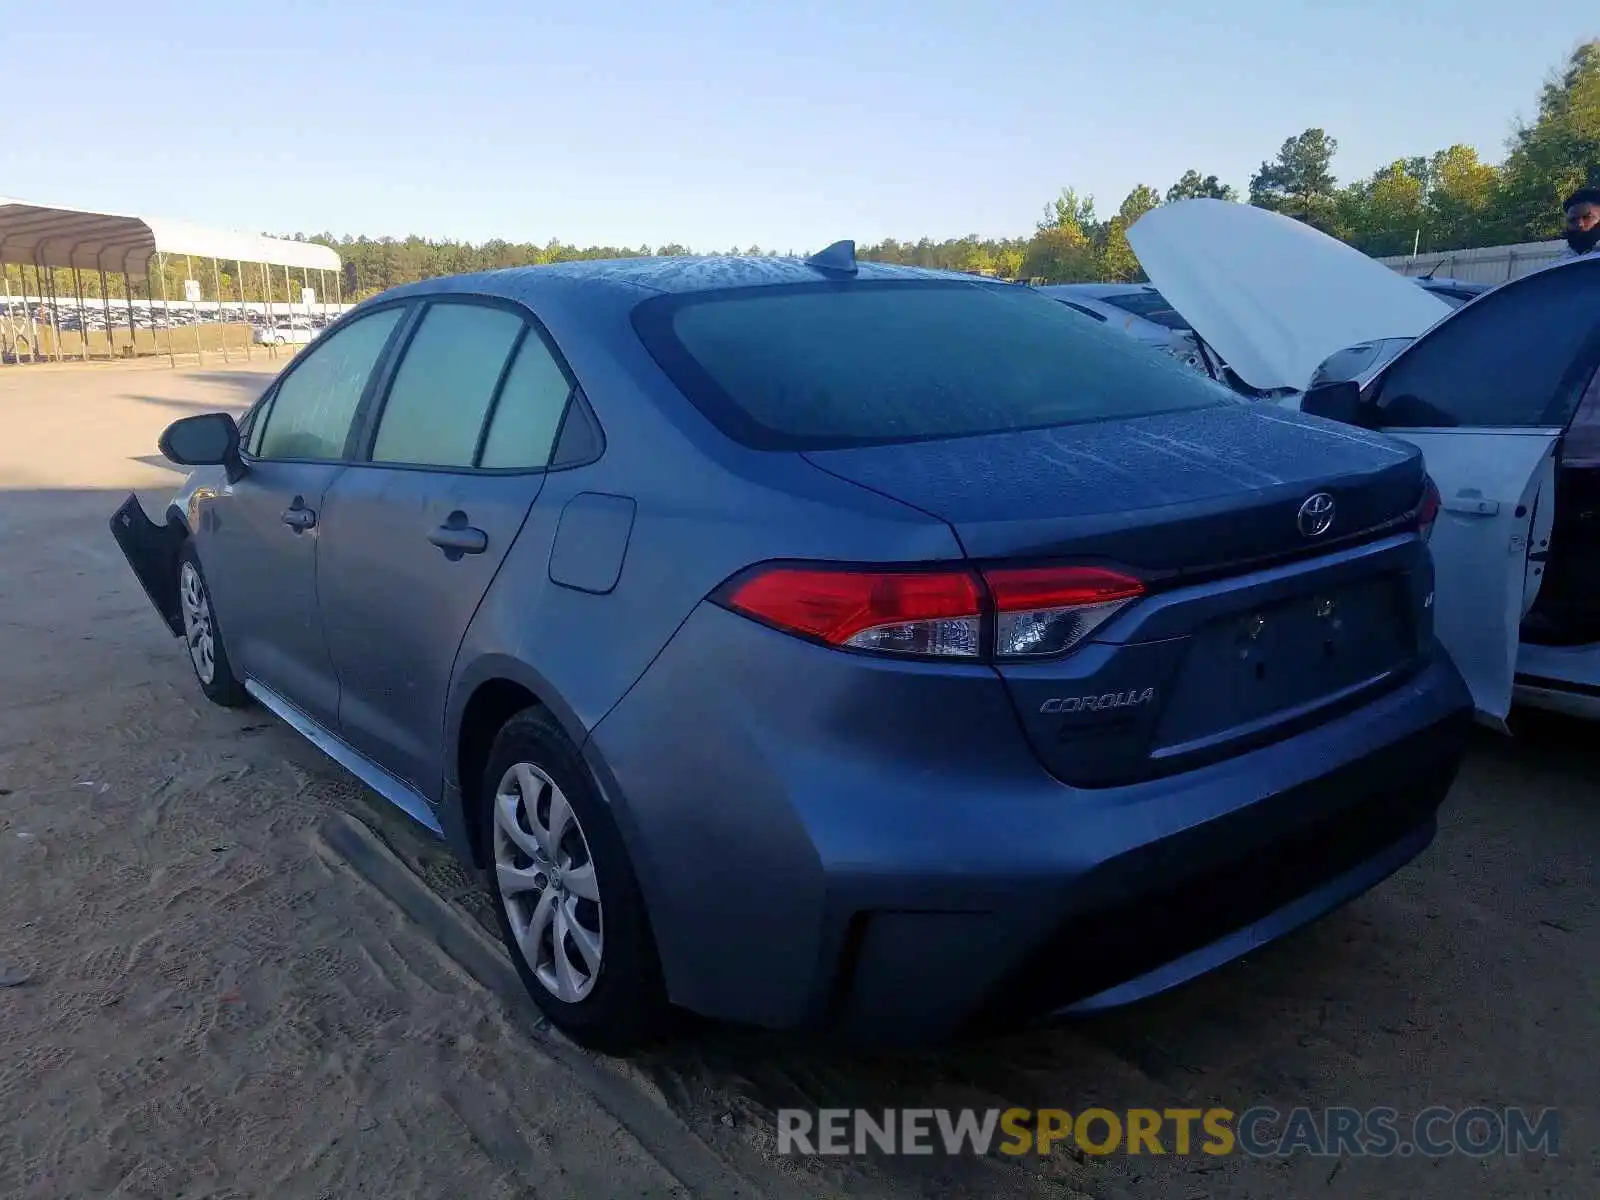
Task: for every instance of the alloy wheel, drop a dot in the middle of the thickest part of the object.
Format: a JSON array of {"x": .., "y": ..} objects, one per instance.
[
  {"x": 546, "y": 880},
  {"x": 197, "y": 627}
]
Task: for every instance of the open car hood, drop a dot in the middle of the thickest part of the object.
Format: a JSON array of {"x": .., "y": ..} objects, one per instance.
[{"x": 1271, "y": 295}]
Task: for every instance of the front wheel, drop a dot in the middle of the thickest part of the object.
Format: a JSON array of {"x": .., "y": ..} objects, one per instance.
[
  {"x": 564, "y": 892},
  {"x": 206, "y": 653}
]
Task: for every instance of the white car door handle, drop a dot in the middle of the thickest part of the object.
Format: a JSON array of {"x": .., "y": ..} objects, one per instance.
[{"x": 1472, "y": 506}]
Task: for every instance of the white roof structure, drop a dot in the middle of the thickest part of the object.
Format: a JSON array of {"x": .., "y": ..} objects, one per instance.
[{"x": 42, "y": 235}]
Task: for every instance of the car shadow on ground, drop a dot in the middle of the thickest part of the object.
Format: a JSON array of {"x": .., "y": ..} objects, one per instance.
[
  {"x": 1546, "y": 742},
  {"x": 156, "y": 460},
  {"x": 1370, "y": 1006},
  {"x": 182, "y": 407}
]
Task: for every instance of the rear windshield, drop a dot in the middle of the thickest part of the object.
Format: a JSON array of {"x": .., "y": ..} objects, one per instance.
[
  {"x": 827, "y": 365},
  {"x": 1149, "y": 304}
]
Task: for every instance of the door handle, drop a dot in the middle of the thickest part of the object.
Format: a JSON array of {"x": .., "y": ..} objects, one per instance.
[
  {"x": 298, "y": 517},
  {"x": 456, "y": 540},
  {"x": 1471, "y": 506}
]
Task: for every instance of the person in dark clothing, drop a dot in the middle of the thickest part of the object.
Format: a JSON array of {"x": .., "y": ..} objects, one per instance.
[{"x": 1582, "y": 230}]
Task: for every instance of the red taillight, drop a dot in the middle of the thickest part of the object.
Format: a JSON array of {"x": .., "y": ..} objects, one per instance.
[
  {"x": 1428, "y": 509},
  {"x": 1038, "y": 611},
  {"x": 906, "y": 612},
  {"x": 1046, "y": 610}
]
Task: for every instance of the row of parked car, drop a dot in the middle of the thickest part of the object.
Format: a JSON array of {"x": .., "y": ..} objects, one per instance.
[
  {"x": 825, "y": 644},
  {"x": 94, "y": 317}
]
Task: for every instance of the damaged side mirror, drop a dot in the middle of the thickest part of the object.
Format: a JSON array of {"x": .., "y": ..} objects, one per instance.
[{"x": 205, "y": 440}]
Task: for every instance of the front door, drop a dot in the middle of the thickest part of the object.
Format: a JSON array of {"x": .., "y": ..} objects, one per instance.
[
  {"x": 414, "y": 534},
  {"x": 1487, "y": 396},
  {"x": 258, "y": 539}
]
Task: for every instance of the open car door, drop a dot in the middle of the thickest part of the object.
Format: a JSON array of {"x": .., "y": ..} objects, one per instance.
[
  {"x": 1487, "y": 395},
  {"x": 1496, "y": 505}
]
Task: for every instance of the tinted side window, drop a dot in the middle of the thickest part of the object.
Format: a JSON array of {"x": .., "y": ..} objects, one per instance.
[
  {"x": 442, "y": 389},
  {"x": 528, "y": 413},
  {"x": 258, "y": 426},
  {"x": 1582, "y": 445},
  {"x": 1505, "y": 360},
  {"x": 311, "y": 412},
  {"x": 247, "y": 424}
]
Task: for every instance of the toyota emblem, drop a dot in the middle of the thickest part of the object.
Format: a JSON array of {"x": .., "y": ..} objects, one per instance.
[{"x": 1316, "y": 515}]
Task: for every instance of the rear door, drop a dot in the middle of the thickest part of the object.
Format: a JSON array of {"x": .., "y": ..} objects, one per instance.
[
  {"x": 413, "y": 533},
  {"x": 1487, "y": 396}
]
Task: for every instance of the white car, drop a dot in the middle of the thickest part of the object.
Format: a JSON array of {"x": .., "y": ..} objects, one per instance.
[
  {"x": 1502, "y": 396},
  {"x": 1272, "y": 296},
  {"x": 1143, "y": 313},
  {"x": 295, "y": 332}
]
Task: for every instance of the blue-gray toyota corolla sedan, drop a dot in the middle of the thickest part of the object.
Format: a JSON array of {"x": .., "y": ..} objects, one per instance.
[{"x": 820, "y": 644}]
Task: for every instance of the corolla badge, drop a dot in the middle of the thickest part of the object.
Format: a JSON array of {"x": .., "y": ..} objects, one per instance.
[
  {"x": 1316, "y": 515},
  {"x": 1131, "y": 698}
]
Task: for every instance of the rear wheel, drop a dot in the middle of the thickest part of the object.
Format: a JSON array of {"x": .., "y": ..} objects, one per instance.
[
  {"x": 565, "y": 894},
  {"x": 206, "y": 653}
]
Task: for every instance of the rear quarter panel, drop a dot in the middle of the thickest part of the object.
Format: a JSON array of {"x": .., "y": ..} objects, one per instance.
[{"x": 704, "y": 508}]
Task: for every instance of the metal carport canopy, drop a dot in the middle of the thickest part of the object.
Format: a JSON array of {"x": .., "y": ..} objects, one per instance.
[{"x": 41, "y": 235}]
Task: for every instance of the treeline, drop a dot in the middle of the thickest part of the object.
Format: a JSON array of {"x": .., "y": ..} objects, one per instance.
[{"x": 1447, "y": 200}]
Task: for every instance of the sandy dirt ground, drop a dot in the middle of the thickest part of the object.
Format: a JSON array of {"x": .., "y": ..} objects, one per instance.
[{"x": 203, "y": 994}]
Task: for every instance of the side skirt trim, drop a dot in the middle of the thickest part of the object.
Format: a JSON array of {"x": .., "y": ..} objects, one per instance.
[{"x": 393, "y": 789}]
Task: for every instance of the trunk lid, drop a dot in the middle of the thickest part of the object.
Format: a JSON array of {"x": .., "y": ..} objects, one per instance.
[
  {"x": 1273, "y": 296},
  {"x": 1251, "y": 629},
  {"x": 1172, "y": 492}
]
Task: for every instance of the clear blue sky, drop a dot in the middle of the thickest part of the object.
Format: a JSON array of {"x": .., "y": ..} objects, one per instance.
[{"x": 626, "y": 122}]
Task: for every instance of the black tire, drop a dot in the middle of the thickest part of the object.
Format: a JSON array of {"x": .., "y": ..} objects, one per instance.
[
  {"x": 224, "y": 688},
  {"x": 626, "y": 1008}
]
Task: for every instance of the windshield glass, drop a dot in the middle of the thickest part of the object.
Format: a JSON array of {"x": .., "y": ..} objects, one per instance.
[
  {"x": 824, "y": 365},
  {"x": 1149, "y": 304}
]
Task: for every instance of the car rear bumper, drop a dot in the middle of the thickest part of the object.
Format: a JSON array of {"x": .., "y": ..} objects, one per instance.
[
  {"x": 813, "y": 855},
  {"x": 1257, "y": 874},
  {"x": 152, "y": 552}
]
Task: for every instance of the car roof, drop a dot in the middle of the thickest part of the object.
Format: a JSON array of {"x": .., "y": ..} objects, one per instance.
[{"x": 633, "y": 277}]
